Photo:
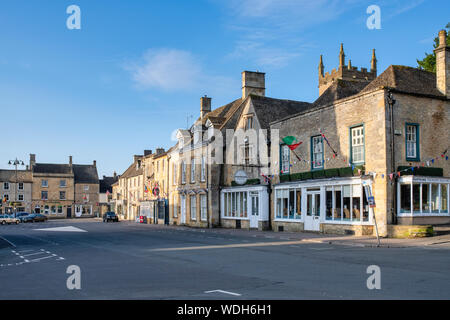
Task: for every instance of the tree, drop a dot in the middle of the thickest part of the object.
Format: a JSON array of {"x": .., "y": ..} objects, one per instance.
[{"x": 429, "y": 62}]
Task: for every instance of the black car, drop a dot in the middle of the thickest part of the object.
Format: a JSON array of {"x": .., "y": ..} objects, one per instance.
[
  {"x": 110, "y": 216},
  {"x": 34, "y": 217},
  {"x": 21, "y": 215}
]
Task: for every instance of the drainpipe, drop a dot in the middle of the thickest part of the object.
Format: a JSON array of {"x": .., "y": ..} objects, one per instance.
[
  {"x": 391, "y": 101},
  {"x": 269, "y": 187}
]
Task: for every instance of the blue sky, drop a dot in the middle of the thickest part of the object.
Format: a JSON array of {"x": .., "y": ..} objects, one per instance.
[{"x": 137, "y": 69}]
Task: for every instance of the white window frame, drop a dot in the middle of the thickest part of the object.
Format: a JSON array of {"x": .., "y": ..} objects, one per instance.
[
  {"x": 20, "y": 186},
  {"x": 20, "y": 197},
  {"x": 183, "y": 172},
  {"x": 6, "y": 186},
  {"x": 203, "y": 170},
  {"x": 193, "y": 207},
  {"x": 285, "y": 159},
  {"x": 62, "y": 183},
  {"x": 44, "y": 183},
  {"x": 193, "y": 170},
  {"x": 316, "y": 153},
  {"x": 203, "y": 207},
  {"x": 357, "y": 144}
]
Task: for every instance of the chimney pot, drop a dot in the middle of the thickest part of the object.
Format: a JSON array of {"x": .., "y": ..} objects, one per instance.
[
  {"x": 443, "y": 65},
  {"x": 205, "y": 106},
  {"x": 253, "y": 83},
  {"x": 94, "y": 163}
]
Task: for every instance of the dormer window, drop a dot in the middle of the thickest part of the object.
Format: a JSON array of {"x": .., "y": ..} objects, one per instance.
[{"x": 248, "y": 123}]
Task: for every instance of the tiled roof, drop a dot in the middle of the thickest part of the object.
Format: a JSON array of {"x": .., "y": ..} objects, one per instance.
[
  {"x": 85, "y": 173},
  {"x": 10, "y": 176},
  {"x": 338, "y": 90},
  {"x": 407, "y": 80},
  {"x": 269, "y": 109},
  {"x": 106, "y": 183},
  {"x": 52, "y": 168},
  {"x": 132, "y": 171}
]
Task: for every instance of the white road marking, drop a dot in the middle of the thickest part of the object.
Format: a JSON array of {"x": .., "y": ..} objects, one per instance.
[
  {"x": 39, "y": 259},
  {"x": 32, "y": 254},
  {"x": 225, "y": 292},
  {"x": 62, "y": 229}
]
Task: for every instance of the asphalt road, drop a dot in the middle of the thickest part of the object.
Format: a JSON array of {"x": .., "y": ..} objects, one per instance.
[{"x": 131, "y": 261}]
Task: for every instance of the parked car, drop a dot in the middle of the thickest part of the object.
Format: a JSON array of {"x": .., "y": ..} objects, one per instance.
[
  {"x": 34, "y": 217},
  {"x": 7, "y": 219},
  {"x": 110, "y": 216},
  {"x": 21, "y": 215}
]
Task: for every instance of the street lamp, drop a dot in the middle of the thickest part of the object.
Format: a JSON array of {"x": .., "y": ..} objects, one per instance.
[{"x": 16, "y": 163}]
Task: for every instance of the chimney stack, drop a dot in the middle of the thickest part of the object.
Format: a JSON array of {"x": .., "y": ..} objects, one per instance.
[
  {"x": 147, "y": 152},
  {"x": 443, "y": 64},
  {"x": 32, "y": 160},
  {"x": 253, "y": 83},
  {"x": 70, "y": 160},
  {"x": 205, "y": 105},
  {"x": 94, "y": 163},
  {"x": 159, "y": 151}
]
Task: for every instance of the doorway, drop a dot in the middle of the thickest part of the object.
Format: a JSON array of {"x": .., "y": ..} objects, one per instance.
[
  {"x": 254, "y": 211},
  {"x": 312, "y": 218}
]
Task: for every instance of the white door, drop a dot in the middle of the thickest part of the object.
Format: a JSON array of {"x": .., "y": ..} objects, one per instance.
[
  {"x": 312, "y": 218},
  {"x": 254, "y": 210},
  {"x": 183, "y": 209}
]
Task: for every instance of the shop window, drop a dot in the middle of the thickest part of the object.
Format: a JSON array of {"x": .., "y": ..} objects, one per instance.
[
  {"x": 291, "y": 204},
  {"x": 425, "y": 198},
  {"x": 86, "y": 210},
  {"x": 46, "y": 209},
  {"x": 405, "y": 198},
  {"x": 366, "y": 208},
  {"x": 346, "y": 202},
  {"x": 434, "y": 198},
  {"x": 356, "y": 202},
  {"x": 444, "y": 198},
  {"x": 298, "y": 203},
  {"x": 329, "y": 203},
  {"x": 60, "y": 209},
  {"x": 337, "y": 211},
  {"x": 53, "y": 210},
  {"x": 416, "y": 198},
  {"x": 288, "y": 204}
]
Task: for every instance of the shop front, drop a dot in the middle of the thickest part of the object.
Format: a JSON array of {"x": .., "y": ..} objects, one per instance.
[
  {"x": 337, "y": 205},
  {"x": 423, "y": 200},
  {"x": 245, "y": 207}
]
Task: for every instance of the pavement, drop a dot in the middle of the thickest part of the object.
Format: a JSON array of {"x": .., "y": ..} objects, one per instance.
[{"x": 127, "y": 260}]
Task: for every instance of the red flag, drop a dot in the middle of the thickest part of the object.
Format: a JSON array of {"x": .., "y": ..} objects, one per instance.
[{"x": 294, "y": 146}]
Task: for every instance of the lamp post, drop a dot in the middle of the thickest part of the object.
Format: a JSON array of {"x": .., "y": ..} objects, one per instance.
[{"x": 16, "y": 163}]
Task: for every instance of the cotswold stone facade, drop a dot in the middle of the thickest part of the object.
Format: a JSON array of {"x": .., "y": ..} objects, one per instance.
[
  {"x": 64, "y": 190},
  {"x": 388, "y": 137}
]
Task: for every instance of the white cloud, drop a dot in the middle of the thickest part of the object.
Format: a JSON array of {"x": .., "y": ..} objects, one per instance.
[
  {"x": 167, "y": 69},
  {"x": 173, "y": 70}
]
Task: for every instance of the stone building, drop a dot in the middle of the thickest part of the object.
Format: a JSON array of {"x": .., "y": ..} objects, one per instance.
[
  {"x": 15, "y": 191},
  {"x": 129, "y": 191},
  {"x": 204, "y": 190},
  {"x": 64, "y": 190},
  {"x": 155, "y": 204},
  {"x": 385, "y": 138},
  {"x": 106, "y": 193}
]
